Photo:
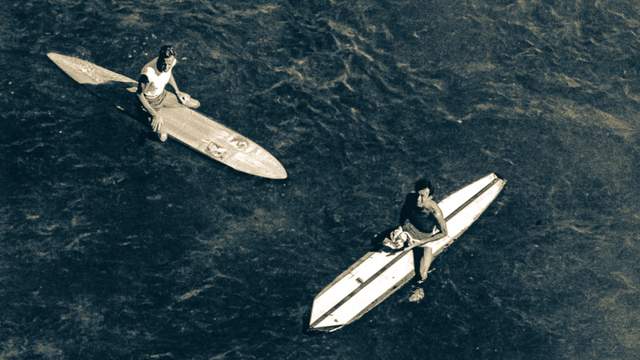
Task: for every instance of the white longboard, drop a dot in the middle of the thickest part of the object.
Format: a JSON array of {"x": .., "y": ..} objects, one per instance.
[
  {"x": 181, "y": 123},
  {"x": 378, "y": 274}
]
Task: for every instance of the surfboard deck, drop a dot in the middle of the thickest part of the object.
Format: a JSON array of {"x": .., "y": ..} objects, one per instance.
[
  {"x": 379, "y": 274},
  {"x": 188, "y": 126}
]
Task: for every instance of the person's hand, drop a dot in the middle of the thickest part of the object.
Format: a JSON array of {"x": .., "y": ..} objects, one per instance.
[
  {"x": 156, "y": 123},
  {"x": 183, "y": 97}
]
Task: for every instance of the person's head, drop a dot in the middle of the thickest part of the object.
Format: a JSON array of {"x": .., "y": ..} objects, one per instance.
[
  {"x": 423, "y": 184},
  {"x": 166, "y": 58},
  {"x": 424, "y": 188}
]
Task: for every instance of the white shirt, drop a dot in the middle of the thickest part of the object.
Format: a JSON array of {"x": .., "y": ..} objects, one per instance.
[{"x": 157, "y": 79}]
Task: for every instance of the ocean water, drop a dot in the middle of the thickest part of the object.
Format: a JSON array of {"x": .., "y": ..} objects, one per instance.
[{"x": 116, "y": 246}]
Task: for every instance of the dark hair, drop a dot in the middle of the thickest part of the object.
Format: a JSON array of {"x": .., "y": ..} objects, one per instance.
[
  {"x": 423, "y": 183},
  {"x": 165, "y": 52}
]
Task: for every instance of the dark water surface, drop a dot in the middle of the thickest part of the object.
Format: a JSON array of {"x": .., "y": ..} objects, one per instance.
[{"x": 115, "y": 246}]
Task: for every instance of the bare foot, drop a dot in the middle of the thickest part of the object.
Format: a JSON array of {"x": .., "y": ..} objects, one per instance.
[{"x": 417, "y": 295}]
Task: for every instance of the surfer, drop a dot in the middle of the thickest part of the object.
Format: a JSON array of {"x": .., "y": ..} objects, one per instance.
[
  {"x": 154, "y": 76},
  {"x": 422, "y": 222}
]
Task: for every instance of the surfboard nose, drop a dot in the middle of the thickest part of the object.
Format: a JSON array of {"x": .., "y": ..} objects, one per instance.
[
  {"x": 279, "y": 172},
  {"x": 258, "y": 163},
  {"x": 272, "y": 172}
]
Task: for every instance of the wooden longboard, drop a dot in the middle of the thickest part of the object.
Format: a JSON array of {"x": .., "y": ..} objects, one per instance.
[
  {"x": 378, "y": 274},
  {"x": 190, "y": 127}
]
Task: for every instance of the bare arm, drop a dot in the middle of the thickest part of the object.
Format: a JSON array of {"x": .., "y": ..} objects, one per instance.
[
  {"x": 147, "y": 106},
  {"x": 143, "y": 82},
  {"x": 156, "y": 121},
  {"x": 174, "y": 85},
  {"x": 437, "y": 212}
]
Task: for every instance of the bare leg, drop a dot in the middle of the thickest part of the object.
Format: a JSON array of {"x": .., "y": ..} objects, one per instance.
[
  {"x": 423, "y": 271},
  {"x": 434, "y": 237},
  {"x": 425, "y": 263},
  {"x": 171, "y": 100}
]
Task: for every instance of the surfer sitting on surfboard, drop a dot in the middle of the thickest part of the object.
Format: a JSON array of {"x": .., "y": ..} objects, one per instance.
[
  {"x": 154, "y": 76},
  {"x": 422, "y": 222}
]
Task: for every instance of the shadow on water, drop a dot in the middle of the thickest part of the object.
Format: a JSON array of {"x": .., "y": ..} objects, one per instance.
[{"x": 121, "y": 95}]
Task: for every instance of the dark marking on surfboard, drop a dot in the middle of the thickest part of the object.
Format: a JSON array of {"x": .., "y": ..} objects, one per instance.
[
  {"x": 215, "y": 150},
  {"x": 239, "y": 143}
]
